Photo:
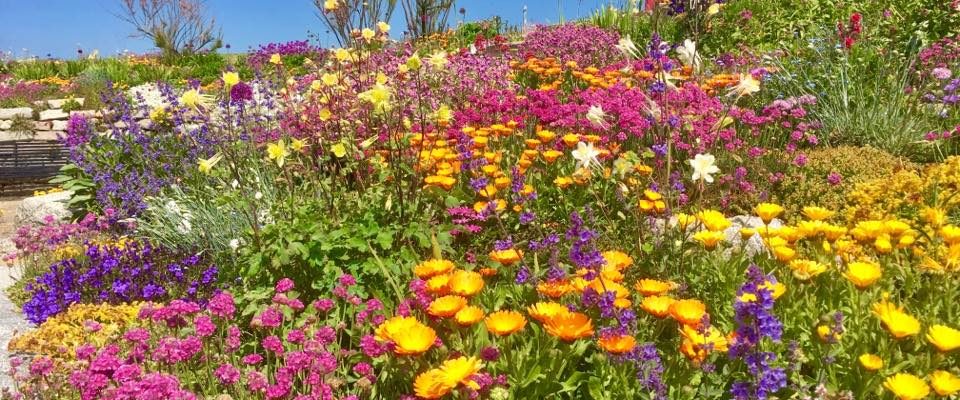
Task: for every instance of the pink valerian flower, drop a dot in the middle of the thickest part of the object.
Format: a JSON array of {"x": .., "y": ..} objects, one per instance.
[
  {"x": 269, "y": 318},
  {"x": 127, "y": 373},
  {"x": 283, "y": 300},
  {"x": 363, "y": 369},
  {"x": 85, "y": 351},
  {"x": 41, "y": 366},
  {"x": 834, "y": 178},
  {"x": 222, "y": 305},
  {"x": 256, "y": 381},
  {"x": 325, "y": 335},
  {"x": 296, "y": 336},
  {"x": 371, "y": 347},
  {"x": 137, "y": 335},
  {"x": 323, "y": 305},
  {"x": 284, "y": 285},
  {"x": 152, "y": 386},
  {"x": 92, "y": 326},
  {"x": 227, "y": 374},
  {"x": 273, "y": 344},
  {"x": 233, "y": 338},
  {"x": 252, "y": 359},
  {"x": 204, "y": 326},
  {"x": 172, "y": 350},
  {"x": 347, "y": 280}
]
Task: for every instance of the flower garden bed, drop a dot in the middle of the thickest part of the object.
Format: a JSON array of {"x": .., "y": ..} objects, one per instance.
[{"x": 580, "y": 215}]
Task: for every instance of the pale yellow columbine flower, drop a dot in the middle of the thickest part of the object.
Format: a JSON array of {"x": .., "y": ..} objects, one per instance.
[
  {"x": 193, "y": 99},
  {"x": 713, "y": 9},
  {"x": 367, "y": 34},
  {"x": 278, "y": 152},
  {"x": 330, "y": 5},
  {"x": 339, "y": 150},
  {"x": 325, "y": 114},
  {"x": 383, "y": 27},
  {"x": 206, "y": 165},
  {"x": 298, "y": 145},
  {"x": 275, "y": 59},
  {"x": 704, "y": 166},
  {"x": 438, "y": 60},
  {"x": 230, "y": 79},
  {"x": 444, "y": 114},
  {"x": 329, "y": 79},
  {"x": 342, "y": 54},
  {"x": 378, "y": 95},
  {"x": 748, "y": 85},
  {"x": 316, "y": 85},
  {"x": 414, "y": 62}
]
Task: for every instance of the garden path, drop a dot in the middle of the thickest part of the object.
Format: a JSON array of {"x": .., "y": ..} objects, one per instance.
[{"x": 11, "y": 320}]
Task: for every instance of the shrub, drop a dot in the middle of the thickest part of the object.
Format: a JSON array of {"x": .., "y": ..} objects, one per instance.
[
  {"x": 117, "y": 272},
  {"x": 829, "y": 173}
]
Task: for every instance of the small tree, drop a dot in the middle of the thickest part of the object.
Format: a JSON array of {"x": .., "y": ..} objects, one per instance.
[
  {"x": 175, "y": 26},
  {"x": 426, "y": 17},
  {"x": 345, "y": 18}
]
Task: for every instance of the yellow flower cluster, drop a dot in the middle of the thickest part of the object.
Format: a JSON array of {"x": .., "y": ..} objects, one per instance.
[{"x": 59, "y": 336}]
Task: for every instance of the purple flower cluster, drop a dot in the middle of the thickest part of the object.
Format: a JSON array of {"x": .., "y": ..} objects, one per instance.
[
  {"x": 117, "y": 273},
  {"x": 130, "y": 163},
  {"x": 584, "y": 44},
  {"x": 261, "y": 56},
  {"x": 755, "y": 321}
]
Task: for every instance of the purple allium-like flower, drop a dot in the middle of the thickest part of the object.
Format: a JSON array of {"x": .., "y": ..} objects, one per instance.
[
  {"x": 941, "y": 73},
  {"x": 490, "y": 353},
  {"x": 834, "y": 178},
  {"x": 240, "y": 93},
  {"x": 227, "y": 374}
]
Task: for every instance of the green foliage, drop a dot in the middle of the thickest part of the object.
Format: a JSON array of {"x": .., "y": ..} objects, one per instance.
[
  {"x": 467, "y": 33},
  {"x": 73, "y": 179},
  {"x": 809, "y": 185},
  {"x": 863, "y": 95}
]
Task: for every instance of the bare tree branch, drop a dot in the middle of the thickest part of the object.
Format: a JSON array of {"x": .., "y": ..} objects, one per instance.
[{"x": 175, "y": 26}]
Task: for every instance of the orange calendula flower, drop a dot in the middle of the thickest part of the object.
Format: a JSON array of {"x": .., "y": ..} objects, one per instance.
[
  {"x": 469, "y": 315},
  {"x": 554, "y": 290},
  {"x": 658, "y": 306},
  {"x": 409, "y": 336},
  {"x": 768, "y": 211},
  {"x": 713, "y": 220},
  {"x": 943, "y": 337},
  {"x": 907, "y": 387},
  {"x": 898, "y": 323},
  {"x": 815, "y": 213},
  {"x": 653, "y": 287},
  {"x": 617, "y": 344},
  {"x": 569, "y": 326},
  {"x": 506, "y": 257},
  {"x": 460, "y": 370},
  {"x": 503, "y": 323},
  {"x": 438, "y": 285},
  {"x": 870, "y": 362},
  {"x": 465, "y": 283},
  {"x": 488, "y": 272},
  {"x": 862, "y": 274},
  {"x": 552, "y": 155},
  {"x": 696, "y": 345},
  {"x": 446, "y": 306},
  {"x": 431, "y": 268},
  {"x": 944, "y": 383},
  {"x": 545, "y": 310},
  {"x": 688, "y": 311},
  {"x": 617, "y": 259},
  {"x": 805, "y": 270},
  {"x": 709, "y": 239},
  {"x": 431, "y": 385}
]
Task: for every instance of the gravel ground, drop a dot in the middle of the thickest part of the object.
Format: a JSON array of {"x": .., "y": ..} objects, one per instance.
[{"x": 11, "y": 321}]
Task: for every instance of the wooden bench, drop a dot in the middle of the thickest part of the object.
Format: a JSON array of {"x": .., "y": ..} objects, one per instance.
[{"x": 30, "y": 161}]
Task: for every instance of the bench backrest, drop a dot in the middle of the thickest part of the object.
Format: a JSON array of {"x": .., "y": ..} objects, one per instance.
[{"x": 31, "y": 158}]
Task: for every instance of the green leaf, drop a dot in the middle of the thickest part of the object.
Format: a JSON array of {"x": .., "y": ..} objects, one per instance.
[{"x": 385, "y": 239}]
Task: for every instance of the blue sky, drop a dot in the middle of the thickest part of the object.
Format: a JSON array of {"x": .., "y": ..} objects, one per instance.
[{"x": 60, "y": 27}]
